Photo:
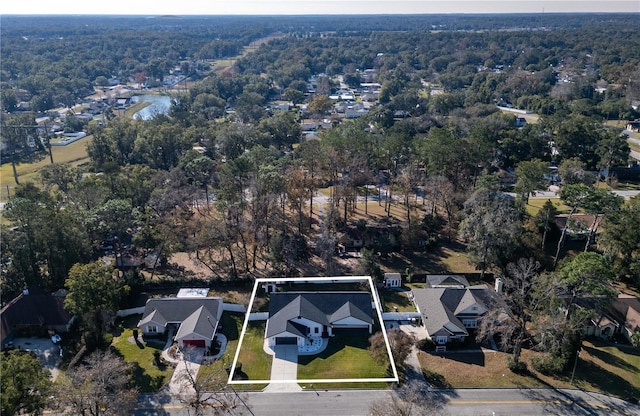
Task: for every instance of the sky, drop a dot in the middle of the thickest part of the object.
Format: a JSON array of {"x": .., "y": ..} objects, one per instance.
[{"x": 299, "y": 7}]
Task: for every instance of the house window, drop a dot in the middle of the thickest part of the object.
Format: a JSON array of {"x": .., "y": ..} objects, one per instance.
[
  {"x": 470, "y": 323},
  {"x": 441, "y": 339},
  {"x": 152, "y": 328},
  {"x": 316, "y": 330}
]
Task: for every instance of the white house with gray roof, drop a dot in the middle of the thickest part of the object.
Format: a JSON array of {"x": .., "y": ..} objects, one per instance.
[
  {"x": 448, "y": 312},
  {"x": 196, "y": 319},
  {"x": 295, "y": 316}
]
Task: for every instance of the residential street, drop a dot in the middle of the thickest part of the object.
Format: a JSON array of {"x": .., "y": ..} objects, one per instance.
[{"x": 460, "y": 402}]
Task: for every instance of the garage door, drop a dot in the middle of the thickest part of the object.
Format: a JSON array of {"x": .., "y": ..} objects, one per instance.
[
  {"x": 193, "y": 343},
  {"x": 286, "y": 341}
]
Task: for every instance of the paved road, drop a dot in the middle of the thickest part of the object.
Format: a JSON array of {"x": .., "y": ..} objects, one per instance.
[{"x": 461, "y": 402}]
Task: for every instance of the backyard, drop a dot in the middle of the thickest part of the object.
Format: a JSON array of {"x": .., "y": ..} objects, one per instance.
[{"x": 395, "y": 301}]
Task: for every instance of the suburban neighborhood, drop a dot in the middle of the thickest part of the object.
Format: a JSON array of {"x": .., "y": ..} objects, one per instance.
[{"x": 362, "y": 214}]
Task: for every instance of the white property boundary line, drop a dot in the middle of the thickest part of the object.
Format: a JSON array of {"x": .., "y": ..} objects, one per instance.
[{"x": 338, "y": 279}]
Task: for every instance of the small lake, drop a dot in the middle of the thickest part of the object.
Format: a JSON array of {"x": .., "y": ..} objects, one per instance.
[{"x": 159, "y": 105}]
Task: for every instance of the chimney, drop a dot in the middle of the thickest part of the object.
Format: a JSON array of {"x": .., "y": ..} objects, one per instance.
[
  {"x": 499, "y": 285},
  {"x": 25, "y": 291}
]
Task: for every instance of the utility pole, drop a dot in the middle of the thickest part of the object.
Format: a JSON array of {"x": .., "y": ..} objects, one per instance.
[{"x": 575, "y": 364}]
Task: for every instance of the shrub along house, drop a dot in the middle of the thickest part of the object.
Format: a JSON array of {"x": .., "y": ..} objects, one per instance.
[
  {"x": 295, "y": 316},
  {"x": 194, "y": 319}
]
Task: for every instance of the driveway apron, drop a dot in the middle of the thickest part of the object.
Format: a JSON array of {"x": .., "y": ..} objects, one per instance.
[{"x": 284, "y": 369}]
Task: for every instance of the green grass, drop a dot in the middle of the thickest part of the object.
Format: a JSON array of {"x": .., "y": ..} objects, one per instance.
[
  {"x": 613, "y": 369},
  {"x": 256, "y": 364},
  {"x": 129, "y": 112},
  {"x": 216, "y": 372},
  {"x": 395, "y": 299},
  {"x": 148, "y": 377},
  {"x": 605, "y": 368},
  {"x": 346, "y": 356},
  {"x": 535, "y": 204},
  {"x": 75, "y": 153}
]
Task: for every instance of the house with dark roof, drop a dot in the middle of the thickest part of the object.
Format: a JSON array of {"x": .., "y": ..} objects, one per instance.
[
  {"x": 447, "y": 280},
  {"x": 449, "y": 312},
  {"x": 295, "y": 316},
  {"x": 34, "y": 312},
  {"x": 194, "y": 319}
]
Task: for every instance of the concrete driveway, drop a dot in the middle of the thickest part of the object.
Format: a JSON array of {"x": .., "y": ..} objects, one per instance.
[
  {"x": 284, "y": 369},
  {"x": 186, "y": 369},
  {"x": 45, "y": 350}
]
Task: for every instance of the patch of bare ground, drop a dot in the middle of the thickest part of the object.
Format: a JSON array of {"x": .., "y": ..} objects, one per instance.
[{"x": 191, "y": 265}]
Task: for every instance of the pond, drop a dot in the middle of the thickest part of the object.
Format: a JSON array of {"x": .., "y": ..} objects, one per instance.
[{"x": 159, "y": 104}]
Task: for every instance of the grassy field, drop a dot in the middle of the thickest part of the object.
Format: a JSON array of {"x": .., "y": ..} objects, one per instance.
[
  {"x": 346, "y": 356},
  {"x": 535, "y": 204},
  {"x": 148, "y": 375},
  {"x": 609, "y": 369},
  {"x": 75, "y": 153}
]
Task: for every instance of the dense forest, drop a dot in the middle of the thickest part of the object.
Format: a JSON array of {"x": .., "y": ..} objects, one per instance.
[{"x": 443, "y": 115}]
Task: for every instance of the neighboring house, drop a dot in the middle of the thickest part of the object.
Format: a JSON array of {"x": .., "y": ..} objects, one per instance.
[
  {"x": 448, "y": 313},
  {"x": 626, "y": 309},
  {"x": 447, "y": 280},
  {"x": 392, "y": 280},
  {"x": 196, "y": 319},
  {"x": 634, "y": 126},
  {"x": 294, "y": 316},
  {"x": 579, "y": 226},
  {"x": 622, "y": 316},
  {"x": 34, "y": 312}
]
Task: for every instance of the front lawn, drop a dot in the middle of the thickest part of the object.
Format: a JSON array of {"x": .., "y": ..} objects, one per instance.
[
  {"x": 253, "y": 365},
  {"x": 345, "y": 357},
  {"x": 149, "y": 376},
  {"x": 256, "y": 364},
  {"x": 610, "y": 369}
]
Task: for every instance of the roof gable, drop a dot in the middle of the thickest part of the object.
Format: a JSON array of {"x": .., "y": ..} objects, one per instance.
[
  {"x": 444, "y": 307},
  {"x": 178, "y": 309},
  {"x": 202, "y": 322},
  {"x": 320, "y": 307}
]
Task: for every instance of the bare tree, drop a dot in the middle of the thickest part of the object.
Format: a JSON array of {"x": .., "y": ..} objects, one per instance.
[
  {"x": 520, "y": 282},
  {"x": 399, "y": 342},
  {"x": 412, "y": 399},
  {"x": 98, "y": 386},
  {"x": 208, "y": 393}
]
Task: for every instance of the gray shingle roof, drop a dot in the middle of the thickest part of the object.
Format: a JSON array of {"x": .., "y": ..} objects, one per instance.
[
  {"x": 321, "y": 307},
  {"x": 447, "y": 280},
  {"x": 196, "y": 315},
  {"x": 202, "y": 322},
  {"x": 441, "y": 307}
]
